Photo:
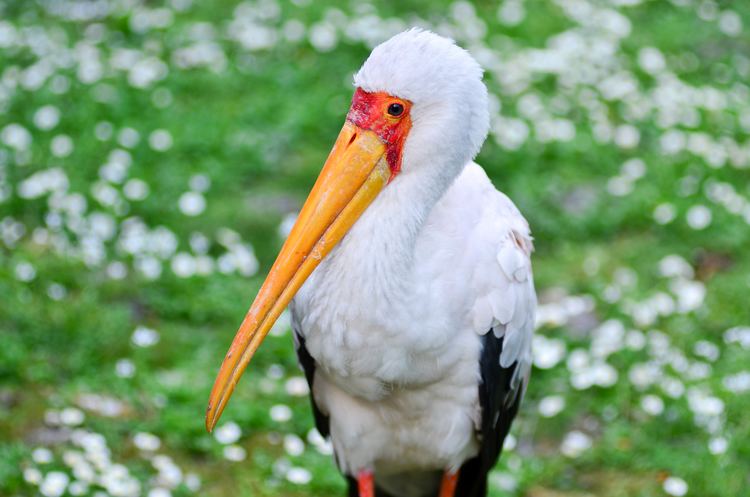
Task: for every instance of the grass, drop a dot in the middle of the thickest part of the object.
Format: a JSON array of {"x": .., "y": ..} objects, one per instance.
[{"x": 259, "y": 128}]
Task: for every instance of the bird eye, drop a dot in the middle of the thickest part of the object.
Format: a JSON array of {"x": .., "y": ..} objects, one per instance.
[{"x": 395, "y": 109}]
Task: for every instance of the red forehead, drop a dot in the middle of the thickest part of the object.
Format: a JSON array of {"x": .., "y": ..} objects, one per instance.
[{"x": 370, "y": 111}]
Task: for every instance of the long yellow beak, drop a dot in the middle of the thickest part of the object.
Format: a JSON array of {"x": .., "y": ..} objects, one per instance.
[{"x": 353, "y": 175}]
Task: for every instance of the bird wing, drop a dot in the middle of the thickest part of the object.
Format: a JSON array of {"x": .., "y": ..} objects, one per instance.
[
  {"x": 504, "y": 297},
  {"x": 503, "y": 313}
]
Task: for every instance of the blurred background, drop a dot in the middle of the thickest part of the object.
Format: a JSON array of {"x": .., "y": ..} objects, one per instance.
[{"x": 153, "y": 154}]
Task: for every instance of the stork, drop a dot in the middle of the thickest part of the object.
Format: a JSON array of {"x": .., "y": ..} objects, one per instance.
[{"x": 408, "y": 278}]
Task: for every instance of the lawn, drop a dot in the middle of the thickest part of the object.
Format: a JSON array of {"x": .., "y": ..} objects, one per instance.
[{"x": 153, "y": 153}]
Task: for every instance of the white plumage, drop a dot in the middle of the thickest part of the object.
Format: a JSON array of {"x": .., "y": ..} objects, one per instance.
[
  {"x": 413, "y": 300},
  {"x": 393, "y": 316}
]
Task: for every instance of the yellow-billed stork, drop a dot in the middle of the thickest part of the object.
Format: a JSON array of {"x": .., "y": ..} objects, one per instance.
[{"x": 409, "y": 281}]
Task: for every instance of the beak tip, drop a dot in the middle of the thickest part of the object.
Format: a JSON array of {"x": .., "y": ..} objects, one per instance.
[{"x": 210, "y": 419}]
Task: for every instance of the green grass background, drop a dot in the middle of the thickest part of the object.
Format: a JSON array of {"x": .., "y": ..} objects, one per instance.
[{"x": 260, "y": 130}]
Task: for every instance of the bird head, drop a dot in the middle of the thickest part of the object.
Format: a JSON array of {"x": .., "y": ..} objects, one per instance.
[
  {"x": 448, "y": 110},
  {"x": 419, "y": 107}
]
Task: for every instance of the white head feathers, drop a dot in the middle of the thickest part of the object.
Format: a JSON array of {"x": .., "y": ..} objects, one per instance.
[{"x": 450, "y": 112}]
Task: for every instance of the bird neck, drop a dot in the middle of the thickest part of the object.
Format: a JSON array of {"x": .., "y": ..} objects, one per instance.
[{"x": 380, "y": 248}]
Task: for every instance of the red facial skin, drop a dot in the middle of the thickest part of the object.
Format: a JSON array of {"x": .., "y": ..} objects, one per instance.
[{"x": 370, "y": 111}]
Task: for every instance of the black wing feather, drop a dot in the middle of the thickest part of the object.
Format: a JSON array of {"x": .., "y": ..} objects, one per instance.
[
  {"x": 307, "y": 363},
  {"x": 499, "y": 402}
]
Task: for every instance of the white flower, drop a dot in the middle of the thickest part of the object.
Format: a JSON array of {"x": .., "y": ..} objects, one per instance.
[
  {"x": 103, "y": 405},
  {"x": 32, "y": 476},
  {"x": 146, "y": 441},
  {"x": 672, "y": 141},
  {"x": 128, "y": 137},
  {"x": 116, "y": 168},
  {"x": 42, "y": 455},
  {"x": 135, "y": 189},
  {"x": 299, "y": 476},
  {"x": 192, "y": 203},
  {"x": 144, "y": 337},
  {"x": 503, "y": 481},
  {"x": 47, "y": 117},
  {"x": 149, "y": 266},
  {"x": 547, "y": 352},
  {"x": 510, "y": 442},
  {"x": 293, "y": 30},
  {"x": 275, "y": 371},
  {"x": 160, "y": 140},
  {"x": 54, "y": 484},
  {"x": 738, "y": 383},
  {"x": 619, "y": 186},
  {"x": 71, "y": 416},
  {"x": 739, "y": 335},
  {"x": 511, "y": 12},
  {"x": 704, "y": 404},
  {"x": 651, "y": 60},
  {"x": 192, "y": 482},
  {"x": 699, "y": 217},
  {"x": 199, "y": 183},
  {"x": 56, "y": 291},
  {"x": 43, "y": 182},
  {"x": 124, "y": 368},
  {"x": 511, "y": 133},
  {"x": 718, "y": 445},
  {"x": 234, "y": 453},
  {"x": 323, "y": 37},
  {"x": 297, "y": 386},
  {"x": 665, "y": 213},
  {"x": 644, "y": 374},
  {"x": 16, "y": 136},
  {"x": 575, "y": 443},
  {"x": 61, "y": 146},
  {"x": 675, "y": 486},
  {"x": 633, "y": 168},
  {"x": 653, "y": 405},
  {"x": 117, "y": 270},
  {"x": 25, "y": 272},
  {"x": 690, "y": 294},
  {"x": 280, "y": 413},
  {"x": 286, "y": 224},
  {"x": 78, "y": 488},
  {"x": 183, "y": 265},
  {"x": 730, "y": 23},
  {"x": 103, "y": 130},
  {"x": 551, "y": 405},
  {"x": 706, "y": 349},
  {"x": 146, "y": 72},
  {"x": 162, "y": 97},
  {"x": 673, "y": 266},
  {"x": 627, "y": 136},
  {"x": 293, "y": 445},
  {"x": 604, "y": 374},
  {"x": 228, "y": 433},
  {"x": 170, "y": 475},
  {"x": 83, "y": 470},
  {"x": 635, "y": 340}
]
